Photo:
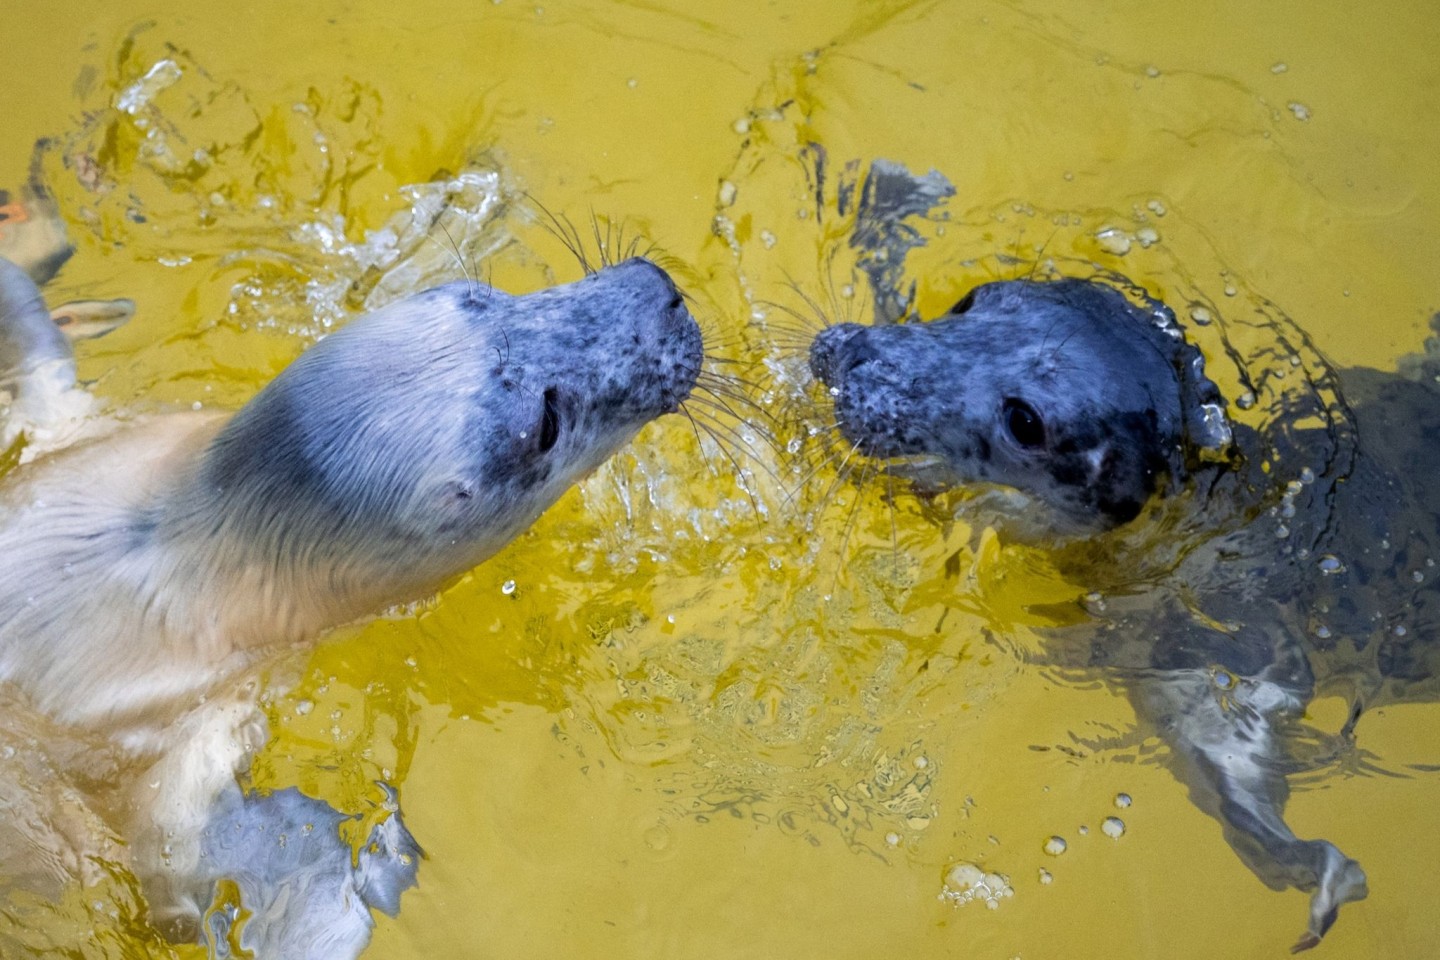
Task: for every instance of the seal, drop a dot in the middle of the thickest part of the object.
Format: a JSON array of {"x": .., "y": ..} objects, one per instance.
[
  {"x": 1304, "y": 560},
  {"x": 146, "y": 575},
  {"x": 37, "y": 363}
]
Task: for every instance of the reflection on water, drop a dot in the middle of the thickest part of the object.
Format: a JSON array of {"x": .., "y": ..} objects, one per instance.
[{"x": 668, "y": 718}]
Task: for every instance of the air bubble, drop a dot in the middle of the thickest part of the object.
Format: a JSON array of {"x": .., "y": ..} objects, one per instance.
[
  {"x": 1113, "y": 241},
  {"x": 965, "y": 882}
]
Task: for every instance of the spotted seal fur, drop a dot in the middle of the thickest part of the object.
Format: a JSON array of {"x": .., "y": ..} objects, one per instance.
[
  {"x": 145, "y": 575},
  {"x": 1306, "y": 561}
]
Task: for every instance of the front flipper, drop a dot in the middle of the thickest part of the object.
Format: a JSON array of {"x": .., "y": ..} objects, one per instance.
[
  {"x": 282, "y": 881},
  {"x": 1223, "y": 730}
]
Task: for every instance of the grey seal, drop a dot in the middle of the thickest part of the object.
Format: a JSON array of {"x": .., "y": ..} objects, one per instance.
[
  {"x": 1295, "y": 559},
  {"x": 144, "y": 575}
]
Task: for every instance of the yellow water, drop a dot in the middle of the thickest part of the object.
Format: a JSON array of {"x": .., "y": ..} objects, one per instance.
[{"x": 691, "y": 730}]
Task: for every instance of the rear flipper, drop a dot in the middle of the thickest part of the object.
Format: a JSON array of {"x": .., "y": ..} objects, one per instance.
[
  {"x": 1222, "y": 731},
  {"x": 281, "y": 880}
]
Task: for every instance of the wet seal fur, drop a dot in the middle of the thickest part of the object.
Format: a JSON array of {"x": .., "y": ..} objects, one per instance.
[
  {"x": 145, "y": 574},
  {"x": 1307, "y": 552}
]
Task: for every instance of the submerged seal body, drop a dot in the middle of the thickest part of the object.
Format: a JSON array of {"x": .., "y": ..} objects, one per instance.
[
  {"x": 1299, "y": 560},
  {"x": 144, "y": 574}
]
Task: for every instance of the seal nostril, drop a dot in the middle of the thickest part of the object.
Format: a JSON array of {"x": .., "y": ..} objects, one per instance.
[{"x": 966, "y": 302}]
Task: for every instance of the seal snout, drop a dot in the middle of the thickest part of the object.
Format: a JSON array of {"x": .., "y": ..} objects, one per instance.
[{"x": 837, "y": 350}]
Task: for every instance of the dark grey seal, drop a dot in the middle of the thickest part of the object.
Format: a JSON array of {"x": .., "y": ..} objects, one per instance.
[{"x": 1245, "y": 569}]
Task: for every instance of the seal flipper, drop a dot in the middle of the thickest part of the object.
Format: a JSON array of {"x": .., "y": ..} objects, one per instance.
[
  {"x": 280, "y": 880},
  {"x": 1221, "y": 729}
]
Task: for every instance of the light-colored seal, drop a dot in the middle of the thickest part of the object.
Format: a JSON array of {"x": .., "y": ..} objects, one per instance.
[
  {"x": 1298, "y": 559},
  {"x": 144, "y": 574}
]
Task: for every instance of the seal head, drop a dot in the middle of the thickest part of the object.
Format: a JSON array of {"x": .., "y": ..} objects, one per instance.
[
  {"x": 416, "y": 441},
  {"x": 1063, "y": 390}
]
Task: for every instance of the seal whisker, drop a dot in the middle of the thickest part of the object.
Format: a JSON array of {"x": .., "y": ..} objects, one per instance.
[
  {"x": 734, "y": 431},
  {"x": 709, "y": 425},
  {"x": 830, "y": 458},
  {"x": 569, "y": 239},
  {"x": 601, "y": 243},
  {"x": 699, "y": 441},
  {"x": 732, "y": 361},
  {"x": 709, "y": 420},
  {"x": 809, "y": 301},
  {"x": 452, "y": 251},
  {"x": 811, "y": 324},
  {"x": 732, "y": 382},
  {"x": 723, "y": 397},
  {"x": 730, "y": 388}
]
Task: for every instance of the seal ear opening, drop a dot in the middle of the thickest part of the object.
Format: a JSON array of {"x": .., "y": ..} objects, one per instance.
[{"x": 550, "y": 420}]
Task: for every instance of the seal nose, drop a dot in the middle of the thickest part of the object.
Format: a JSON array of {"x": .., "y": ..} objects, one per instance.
[{"x": 837, "y": 350}]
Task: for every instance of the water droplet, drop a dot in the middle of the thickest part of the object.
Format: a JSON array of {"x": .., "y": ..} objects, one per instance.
[
  {"x": 1113, "y": 827},
  {"x": 1201, "y": 315},
  {"x": 1046, "y": 876},
  {"x": 508, "y": 587},
  {"x": 1055, "y": 846},
  {"x": 1279, "y": 68},
  {"x": 1299, "y": 109},
  {"x": 1330, "y": 564},
  {"x": 1122, "y": 800},
  {"x": 1113, "y": 241}
]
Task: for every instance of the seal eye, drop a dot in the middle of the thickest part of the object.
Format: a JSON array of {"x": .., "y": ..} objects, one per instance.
[
  {"x": 550, "y": 421},
  {"x": 1024, "y": 424}
]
